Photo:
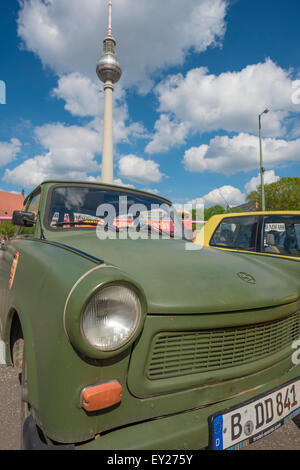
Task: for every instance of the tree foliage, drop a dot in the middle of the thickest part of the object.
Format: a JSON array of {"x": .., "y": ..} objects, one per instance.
[
  {"x": 234, "y": 210},
  {"x": 7, "y": 229},
  {"x": 214, "y": 210},
  {"x": 208, "y": 213},
  {"x": 283, "y": 195}
]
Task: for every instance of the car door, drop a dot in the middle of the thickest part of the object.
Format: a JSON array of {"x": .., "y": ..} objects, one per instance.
[{"x": 9, "y": 258}]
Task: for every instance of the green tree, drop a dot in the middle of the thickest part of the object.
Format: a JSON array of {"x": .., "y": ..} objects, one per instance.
[
  {"x": 283, "y": 195},
  {"x": 234, "y": 210},
  {"x": 214, "y": 210},
  {"x": 208, "y": 213},
  {"x": 7, "y": 229}
]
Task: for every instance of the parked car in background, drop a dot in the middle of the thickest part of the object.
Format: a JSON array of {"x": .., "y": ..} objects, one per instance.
[
  {"x": 186, "y": 217},
  {"x": 142, "y": 342},
  {"x": 267, "y": 233},
  {"x": 158, "y": 219}
]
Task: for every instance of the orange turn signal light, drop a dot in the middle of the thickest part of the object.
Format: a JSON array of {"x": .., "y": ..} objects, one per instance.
[{"x": 99, "y": 397}]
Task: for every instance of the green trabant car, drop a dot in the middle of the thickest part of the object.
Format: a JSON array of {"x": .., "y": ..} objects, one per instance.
[{"x": 129, "y": 336}]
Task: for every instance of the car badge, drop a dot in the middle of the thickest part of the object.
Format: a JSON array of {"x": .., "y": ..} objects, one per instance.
[{"x": 247, "y": 278}]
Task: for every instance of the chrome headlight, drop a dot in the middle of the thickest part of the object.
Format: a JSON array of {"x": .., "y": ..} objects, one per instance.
[{"x": 111, "y": 317}]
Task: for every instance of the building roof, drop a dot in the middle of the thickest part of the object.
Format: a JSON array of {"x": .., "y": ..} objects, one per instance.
[
  {"x": 10, "y": 202},
  {"x": 248, "y": 207}
]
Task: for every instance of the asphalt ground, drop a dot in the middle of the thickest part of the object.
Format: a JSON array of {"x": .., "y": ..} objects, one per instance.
[
  {"x": 9, "y": 409},
  {"x": 285, "y": 438}
]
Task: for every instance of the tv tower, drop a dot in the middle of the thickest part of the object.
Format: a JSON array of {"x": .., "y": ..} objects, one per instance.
[{"x": 109, "y": 72}]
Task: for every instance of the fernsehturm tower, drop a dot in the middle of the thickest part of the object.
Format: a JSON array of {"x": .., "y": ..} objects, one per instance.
[{"x": 109, "y": 71}]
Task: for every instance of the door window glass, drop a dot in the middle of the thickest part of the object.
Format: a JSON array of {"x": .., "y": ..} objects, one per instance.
[
  {"x": 281, "y": 235},
  {"x": 236, "y": 232}
]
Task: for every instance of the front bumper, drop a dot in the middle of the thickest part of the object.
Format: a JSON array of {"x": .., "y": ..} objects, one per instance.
[
  {"x": 185, "y": 431},
  {"x": 188, "y": 430}
]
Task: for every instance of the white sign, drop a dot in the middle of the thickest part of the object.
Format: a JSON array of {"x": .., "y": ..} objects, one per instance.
[{"x": 275, "y": 227}]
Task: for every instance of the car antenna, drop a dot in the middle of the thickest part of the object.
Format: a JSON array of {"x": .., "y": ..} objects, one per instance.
[
  {"x": 42, "y": 237},
  {"x": 223, "y": 198}
]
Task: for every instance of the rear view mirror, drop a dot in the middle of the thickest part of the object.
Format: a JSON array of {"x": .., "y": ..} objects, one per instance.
[{"x": 23, "y": 219}]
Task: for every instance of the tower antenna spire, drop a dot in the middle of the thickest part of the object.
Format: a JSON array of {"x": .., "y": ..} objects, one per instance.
[{"x": 110, "y": 18}]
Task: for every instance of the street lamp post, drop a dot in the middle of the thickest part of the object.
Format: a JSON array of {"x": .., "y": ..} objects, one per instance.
[{"x": 262, "y": 170}]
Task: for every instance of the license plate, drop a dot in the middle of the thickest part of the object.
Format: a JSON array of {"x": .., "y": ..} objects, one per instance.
[{"x": 239, "y": 427}]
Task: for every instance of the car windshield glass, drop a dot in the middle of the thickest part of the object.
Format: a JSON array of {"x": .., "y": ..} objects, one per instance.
[
  {"x": 281, "y": 235},
  {"x": 83, "y": 207}
]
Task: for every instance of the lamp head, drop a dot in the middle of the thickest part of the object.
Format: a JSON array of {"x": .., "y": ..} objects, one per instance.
[{"x": 266, "y": 111}]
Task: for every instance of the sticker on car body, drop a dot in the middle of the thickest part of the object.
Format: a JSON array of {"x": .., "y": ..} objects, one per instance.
[{"x": 13, "y": 270}]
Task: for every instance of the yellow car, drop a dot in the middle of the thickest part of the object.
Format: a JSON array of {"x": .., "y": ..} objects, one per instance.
[{"x": 264, "y": 233}]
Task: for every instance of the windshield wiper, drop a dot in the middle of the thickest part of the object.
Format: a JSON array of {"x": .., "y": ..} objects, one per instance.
[
  {"x": 87, "y": 223},
  {"x": 79, "y": 222}
]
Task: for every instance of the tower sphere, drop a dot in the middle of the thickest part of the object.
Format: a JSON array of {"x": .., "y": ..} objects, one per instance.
[{"x": 108, "y": 68}]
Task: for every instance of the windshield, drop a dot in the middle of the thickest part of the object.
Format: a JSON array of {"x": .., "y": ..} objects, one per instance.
[{"x": 83, "y": 208}]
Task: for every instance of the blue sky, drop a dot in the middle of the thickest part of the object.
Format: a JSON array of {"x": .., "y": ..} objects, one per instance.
[{"x": 196, "y": 76}]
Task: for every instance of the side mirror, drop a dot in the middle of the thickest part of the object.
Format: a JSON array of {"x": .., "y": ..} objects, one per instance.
[{"x": 23, "y": 219}]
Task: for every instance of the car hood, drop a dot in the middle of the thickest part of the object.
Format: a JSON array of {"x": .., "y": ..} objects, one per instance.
[{"x": 177, "y": 280}]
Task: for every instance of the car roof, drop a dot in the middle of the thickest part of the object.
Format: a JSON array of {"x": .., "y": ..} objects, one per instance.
[
  {"x": 244, "y": 214},
  {"x": 105, "y": 185}
]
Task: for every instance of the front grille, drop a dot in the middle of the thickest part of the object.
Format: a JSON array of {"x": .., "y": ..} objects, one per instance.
[{"x": 182, "y": 353}]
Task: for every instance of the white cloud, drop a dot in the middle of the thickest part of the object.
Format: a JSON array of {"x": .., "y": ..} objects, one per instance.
[
  {"x": 67, "y": 35},
  {"x": 230, "y": 101},
  {"x": 231, "y": 196},
  {"x": 70, "y": 155},
  {"x": 119, "y": 182},
  {"x": 240, "y": 153},
  {"x": 85, "y": 98},
  {"x": 150, "y": 190},
  {"x": 168, "y": 134},
  {"x": 295, "y": 129},
  {"x": 82, "y": 96},
  {"x": 269, "y": 177},
  {"x": 71, "y": 150},
  {"x": 9, "y": 151},
  {"x": 139, "y": 170},
  {"x": 59, "y": 137},
  {"x": 226, "y": 195}
]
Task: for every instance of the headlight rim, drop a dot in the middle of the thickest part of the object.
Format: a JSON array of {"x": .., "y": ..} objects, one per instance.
[
  {"x": 78, "y": 297},
  {"x": 138, "y": 322}
]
